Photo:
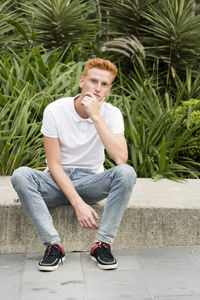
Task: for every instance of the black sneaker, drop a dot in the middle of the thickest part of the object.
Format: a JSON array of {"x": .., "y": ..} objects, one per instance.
[
  {"x": 53, "y": 256},
  {"x": 100, "y": 252}
]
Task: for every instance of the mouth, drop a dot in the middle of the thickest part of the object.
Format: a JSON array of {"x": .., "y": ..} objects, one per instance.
[{"x": 96, "y": 95}]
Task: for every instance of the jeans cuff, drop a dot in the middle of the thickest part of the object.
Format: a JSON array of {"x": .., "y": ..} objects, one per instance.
[
  {"x": 104, "y": 239},
  {"x": 54, "y": 241}
]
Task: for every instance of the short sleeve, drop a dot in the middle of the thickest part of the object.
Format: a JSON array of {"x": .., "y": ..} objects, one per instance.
[
  {"x": 116, "y": 122},
  {"x": 49, "y": 127}
]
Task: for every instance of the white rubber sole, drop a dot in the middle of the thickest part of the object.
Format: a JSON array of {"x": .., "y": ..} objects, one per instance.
[
  {"x": 49, "y": 268},
  {"x": 104, "y": 267}
]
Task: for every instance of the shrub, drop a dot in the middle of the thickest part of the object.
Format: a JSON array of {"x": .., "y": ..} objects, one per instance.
[
  {"x": 191, "y": 110},
  {"x": 27, "y": 85},
  {"x": 158, "y": 143}
]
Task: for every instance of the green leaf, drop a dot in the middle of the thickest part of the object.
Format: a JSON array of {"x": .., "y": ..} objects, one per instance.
[
  {"x": 19, "y": 28},
  {"x": 163, "y": 154}
]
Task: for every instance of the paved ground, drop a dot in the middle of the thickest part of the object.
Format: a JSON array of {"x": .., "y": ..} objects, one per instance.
[{"x": 170, "y": 273}]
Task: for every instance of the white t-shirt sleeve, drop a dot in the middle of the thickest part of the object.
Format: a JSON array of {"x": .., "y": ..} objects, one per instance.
[
  {"x": 116, "y": 122},
  {"x": 49, "y": 127}
]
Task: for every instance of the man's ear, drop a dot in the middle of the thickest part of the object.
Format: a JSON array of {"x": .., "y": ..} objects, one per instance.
[{"x": 81, "y": 81}]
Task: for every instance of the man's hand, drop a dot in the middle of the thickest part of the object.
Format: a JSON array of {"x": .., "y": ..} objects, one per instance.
[
  {"x": 91, "y": 104},
  {"x": 86, "y": 214}
]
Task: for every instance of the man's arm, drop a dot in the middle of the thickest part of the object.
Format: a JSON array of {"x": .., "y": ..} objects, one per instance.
[
  {"x": 115, "y": 144},
  {"x": 85, "y": 213}
]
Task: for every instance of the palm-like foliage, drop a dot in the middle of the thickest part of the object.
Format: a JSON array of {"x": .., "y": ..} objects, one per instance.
[
  {"x": 58, "y": 23},
  {"x": 168, "y": 30},
  {"x": 173, "y": 33},
  {"x": 125, "y": 51},
  {"x": 126, "y": 17},
  {"x": 6, "y": 29}
]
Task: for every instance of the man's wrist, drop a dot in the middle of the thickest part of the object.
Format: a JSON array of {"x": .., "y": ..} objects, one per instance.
[
  {"x": 77, "y": 203},
  {"x": 95, "y": 117}
]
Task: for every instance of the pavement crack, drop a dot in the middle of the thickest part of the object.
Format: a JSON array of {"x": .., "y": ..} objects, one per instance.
[
  {"x": 143, "y": 275},
  {"x": 83, "y": 274},
  {"x": 22, "y": 278}
]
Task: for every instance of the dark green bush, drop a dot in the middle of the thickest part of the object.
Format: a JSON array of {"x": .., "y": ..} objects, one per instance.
[{"x": 191, "y": 110}]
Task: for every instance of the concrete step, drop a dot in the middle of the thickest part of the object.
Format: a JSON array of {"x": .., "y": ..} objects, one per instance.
[{"x": 159, "y": 214}]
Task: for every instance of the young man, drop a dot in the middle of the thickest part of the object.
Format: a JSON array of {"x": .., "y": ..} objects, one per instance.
[{"x": 76, "y": 131}]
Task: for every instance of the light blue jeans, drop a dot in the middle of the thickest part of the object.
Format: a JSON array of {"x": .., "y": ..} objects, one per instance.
[{"x": 37, "y": 191}]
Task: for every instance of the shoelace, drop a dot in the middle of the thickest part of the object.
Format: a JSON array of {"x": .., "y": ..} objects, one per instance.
[
  {"x": 105, "y": 249},
  {"x": 51, "y": 251}
]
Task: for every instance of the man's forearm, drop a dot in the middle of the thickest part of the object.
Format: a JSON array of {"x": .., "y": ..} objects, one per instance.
[
  {"x": 66, "y": 185},
  {"x": 117, "y": 149}
]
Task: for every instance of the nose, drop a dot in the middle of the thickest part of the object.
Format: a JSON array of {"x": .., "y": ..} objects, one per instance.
[{"x": 98, "y": 86}]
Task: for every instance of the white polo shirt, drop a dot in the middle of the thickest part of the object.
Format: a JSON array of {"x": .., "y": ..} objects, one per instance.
[{"x": 81, "y": 146}]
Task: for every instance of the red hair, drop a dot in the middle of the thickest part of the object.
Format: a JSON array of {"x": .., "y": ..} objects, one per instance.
[{"x": 101, "y": 64}]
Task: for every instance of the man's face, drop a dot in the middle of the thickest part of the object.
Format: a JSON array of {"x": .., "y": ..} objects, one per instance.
[{"x": 98, "y": 82}]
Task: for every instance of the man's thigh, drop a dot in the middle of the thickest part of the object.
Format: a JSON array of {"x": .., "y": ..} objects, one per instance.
[
  {"x": 49, "y": 190},
  {"x": 93, "y": 188}
]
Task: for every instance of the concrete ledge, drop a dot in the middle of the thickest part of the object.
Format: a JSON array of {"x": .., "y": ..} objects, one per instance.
[{"x": 159, "y": 214}]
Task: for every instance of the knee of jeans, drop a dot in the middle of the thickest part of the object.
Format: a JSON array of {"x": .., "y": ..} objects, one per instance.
[
  {"x": 19, "y": 175},
  {"x": 127, "y": 174}
]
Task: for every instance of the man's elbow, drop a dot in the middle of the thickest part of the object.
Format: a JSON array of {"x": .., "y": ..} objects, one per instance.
[
  {"x": 54, "y": 167},
  {"x": 121, "y": 159}
]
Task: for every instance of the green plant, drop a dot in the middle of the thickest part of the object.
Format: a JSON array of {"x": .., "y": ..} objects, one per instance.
[
  {"x": 190, "y": 111},
  {"x": 173, "y": 33},
  {"x": 43, "y": 71},
  {"x": 28, "y": 84},
  {"x": 168, "y": 32},
  {"x": 21, "y": 142},
  {"x": 58, "y": 24},
  {"x": 191, "y": 80},
  {"x": 125, "y": 17},
  {"x": 156, "y": 138},
  {"x": 7, "y": 32}
]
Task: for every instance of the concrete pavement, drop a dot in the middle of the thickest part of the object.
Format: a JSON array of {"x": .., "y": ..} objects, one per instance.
[{"x": 169, "y": 273}]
